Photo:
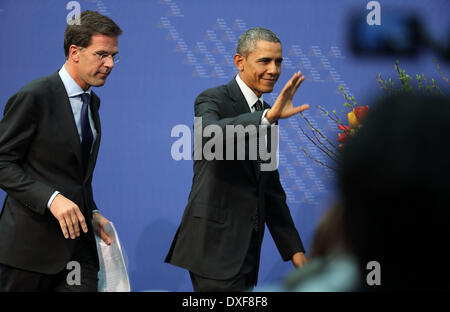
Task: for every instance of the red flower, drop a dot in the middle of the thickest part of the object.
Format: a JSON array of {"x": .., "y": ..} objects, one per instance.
[
  {"x": 361, "y": 112},
  {"x": 344, "y": 128},
  {"x": 342, "y": 137},
  {"x": 346, "y": 132}
]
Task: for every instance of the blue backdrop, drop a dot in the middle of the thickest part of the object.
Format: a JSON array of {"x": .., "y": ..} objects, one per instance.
[{"x": 171, "y": 50}]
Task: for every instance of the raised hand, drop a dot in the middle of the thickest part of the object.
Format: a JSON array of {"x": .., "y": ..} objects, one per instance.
[{"x": 283, "y": 107}]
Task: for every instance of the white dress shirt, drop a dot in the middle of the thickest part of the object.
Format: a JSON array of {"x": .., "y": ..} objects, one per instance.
[{"x": 251, "y": 99}]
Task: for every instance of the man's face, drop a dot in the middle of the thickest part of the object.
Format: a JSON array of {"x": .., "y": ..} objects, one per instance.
[
  {"x": 93, "y": 71},
  {"x": 262, "y": 67}
]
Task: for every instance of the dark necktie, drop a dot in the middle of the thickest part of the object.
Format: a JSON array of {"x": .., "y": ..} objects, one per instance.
[
  {"x": 255, "y": 219},
  {"x": 267, "y": 142},
  {"x": 258, "y": 107},
  {"x": 86, "y": 133}
]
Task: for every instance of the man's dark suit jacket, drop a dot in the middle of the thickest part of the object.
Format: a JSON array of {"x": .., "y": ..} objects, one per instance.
[
  {"x": 228, "y": 198},
  {"x": 40, "y": 152}
]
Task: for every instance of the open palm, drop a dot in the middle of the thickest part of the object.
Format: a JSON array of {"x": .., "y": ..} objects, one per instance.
[{"x": 284, "y": 107}]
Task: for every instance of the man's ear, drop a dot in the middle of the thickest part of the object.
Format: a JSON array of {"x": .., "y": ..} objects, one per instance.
[
  {"x": 239, "y": 61},
  {"x": 74, "y": 53}
]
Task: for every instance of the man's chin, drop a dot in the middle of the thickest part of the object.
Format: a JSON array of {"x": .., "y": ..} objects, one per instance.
[
  {"x": 267, "y": 89},
  {"x": 99, "y": 83}
]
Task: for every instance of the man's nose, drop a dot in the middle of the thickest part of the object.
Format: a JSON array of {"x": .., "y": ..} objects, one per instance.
[
  {"x": 109, "y": 62},
  {"x": 273, "y": 68}
]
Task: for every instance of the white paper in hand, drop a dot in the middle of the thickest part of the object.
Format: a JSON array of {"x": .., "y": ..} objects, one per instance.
[{"x": 112, "y": 276}]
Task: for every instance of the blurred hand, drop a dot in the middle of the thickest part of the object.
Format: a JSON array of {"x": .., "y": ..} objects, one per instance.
[{"x": 299, "y": 260}]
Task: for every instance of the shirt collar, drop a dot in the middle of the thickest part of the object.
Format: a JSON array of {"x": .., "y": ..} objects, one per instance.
[
  {"x": 249, "y": 95},
  {"x": 72, "y": 88}
]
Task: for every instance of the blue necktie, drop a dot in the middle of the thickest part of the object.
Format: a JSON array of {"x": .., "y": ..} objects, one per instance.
[{"x": 86, "y": 132}]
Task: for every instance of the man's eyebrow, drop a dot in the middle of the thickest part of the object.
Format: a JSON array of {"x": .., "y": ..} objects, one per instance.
[
  {"x": 106, "y": 52},
  {"x": 280, "y": 59}
]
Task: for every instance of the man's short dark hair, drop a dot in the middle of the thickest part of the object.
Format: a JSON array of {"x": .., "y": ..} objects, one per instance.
[
  {"x": 91, "y": 23},
  {"x": 247, "y": 41}
]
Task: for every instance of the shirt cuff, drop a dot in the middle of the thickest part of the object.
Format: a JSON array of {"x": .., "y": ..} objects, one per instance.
[
  {"x": 264, "y": 120},
  {"x": 51, "y": 199}
]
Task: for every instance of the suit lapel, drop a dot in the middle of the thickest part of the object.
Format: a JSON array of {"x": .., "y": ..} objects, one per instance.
[
  {"x": 64, "y": 115},
  {"x": 239, "y": 102},
  {"x": 95, "y": 104},
  {"x": 241, "y": 107}
]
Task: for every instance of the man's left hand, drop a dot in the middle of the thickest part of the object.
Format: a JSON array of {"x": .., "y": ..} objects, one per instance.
[
  {"x": 98, "y": 222},
  {"x": 283, "y": 107},
  {"x": 299, "y": 260}
]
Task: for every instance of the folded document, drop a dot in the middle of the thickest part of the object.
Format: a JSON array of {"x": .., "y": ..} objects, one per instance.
[{"x": 112, "y": 276}]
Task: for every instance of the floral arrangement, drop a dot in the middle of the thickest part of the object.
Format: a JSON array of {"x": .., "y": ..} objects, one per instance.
[
  {"x": 355, "y": 118},
  {"x": 357, "y": 113}
]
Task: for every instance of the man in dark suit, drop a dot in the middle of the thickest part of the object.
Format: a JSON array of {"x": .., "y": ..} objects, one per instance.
[
  {"x": 220, "y": 235},
  {"x": 49, "y": 140}
]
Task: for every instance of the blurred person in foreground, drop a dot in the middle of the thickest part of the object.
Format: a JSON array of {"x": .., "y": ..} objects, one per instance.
[
  {"x": 394, "y": 180},
  {"x": 395, "y": 185},
  {"x": 331, "y": 267}
]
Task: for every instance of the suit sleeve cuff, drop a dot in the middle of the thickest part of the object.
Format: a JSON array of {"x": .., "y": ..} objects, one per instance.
[{"x": 264, "y": 120}]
